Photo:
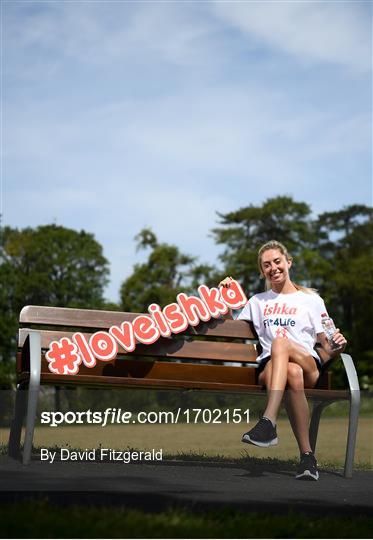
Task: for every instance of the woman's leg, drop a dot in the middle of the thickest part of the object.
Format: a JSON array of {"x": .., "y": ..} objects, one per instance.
[
  {"x": 299, "y": 376},
  {"x": 284, "y": 351},
  {"x": 297, "y": 407},
  {"x": 298, "y": 411}
]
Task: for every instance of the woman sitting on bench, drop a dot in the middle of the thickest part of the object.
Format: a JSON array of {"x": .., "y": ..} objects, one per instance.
[{"x": 288, "y": 322}]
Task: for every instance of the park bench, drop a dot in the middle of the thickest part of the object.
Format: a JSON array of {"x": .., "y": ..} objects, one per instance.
[{"x": 194, "y": 360}]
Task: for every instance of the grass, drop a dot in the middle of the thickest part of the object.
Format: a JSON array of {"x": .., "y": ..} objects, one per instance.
[
  {"x": 45, "y": 520},
  {"x": 210, "y": 440}
]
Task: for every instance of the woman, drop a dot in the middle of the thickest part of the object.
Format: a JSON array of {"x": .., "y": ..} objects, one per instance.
[{"x": 288, "y": 321}]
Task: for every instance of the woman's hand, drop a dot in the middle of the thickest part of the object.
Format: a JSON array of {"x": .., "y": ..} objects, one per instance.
[
  {"x": 339, "y": 342},
  {"x": 329, "y": 350},
  {"x": 226, "y": 282}
]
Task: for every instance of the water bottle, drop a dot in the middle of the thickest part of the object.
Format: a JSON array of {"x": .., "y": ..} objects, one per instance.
[{"x": 329, "y": 329}]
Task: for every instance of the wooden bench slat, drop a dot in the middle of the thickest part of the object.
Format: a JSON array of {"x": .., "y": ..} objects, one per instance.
[
  {"x": 166, "y": 384},
  {"x": 166, "y": 371},
  {"x": 171, "y": 348},
  {"x": 327, "y": 394},
  {"x": 87, "y": 318},
  {"x": 169, "y": 384}
]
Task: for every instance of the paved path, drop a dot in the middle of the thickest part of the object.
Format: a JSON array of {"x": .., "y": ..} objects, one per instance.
[{"x": 197, "y": 485}]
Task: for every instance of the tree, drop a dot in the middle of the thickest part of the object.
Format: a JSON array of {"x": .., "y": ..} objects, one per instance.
[
  {"x": 346, "y": 247},
  {"x": 50, "y": 266},
  {"x": 245, "y": 230},
  {"x": 167, "y": 272}
]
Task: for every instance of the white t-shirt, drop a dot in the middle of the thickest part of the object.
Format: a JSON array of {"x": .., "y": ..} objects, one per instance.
[{"x": 296, "y": 316}]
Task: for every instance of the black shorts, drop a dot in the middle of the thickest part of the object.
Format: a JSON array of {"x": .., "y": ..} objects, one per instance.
[{"x": 265, "y": 361}]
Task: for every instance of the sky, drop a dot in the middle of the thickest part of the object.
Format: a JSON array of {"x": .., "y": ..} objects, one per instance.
[{"x": 120, "y": 115}]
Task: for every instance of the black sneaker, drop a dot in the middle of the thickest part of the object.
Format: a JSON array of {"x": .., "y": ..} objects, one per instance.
[
  {"x": 307, "y": 469},
  {"x": 262, "y": 434}
]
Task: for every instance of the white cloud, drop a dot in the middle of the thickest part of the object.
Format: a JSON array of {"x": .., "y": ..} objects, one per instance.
[
  {"x": 102, "y": 33},
  {"x": 332, "y": 32}
]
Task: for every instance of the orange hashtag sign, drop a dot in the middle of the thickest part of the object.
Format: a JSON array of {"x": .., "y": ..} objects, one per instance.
[{"x": 63, "y": 357}]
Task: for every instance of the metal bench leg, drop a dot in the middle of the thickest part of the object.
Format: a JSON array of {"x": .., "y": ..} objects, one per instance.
[
  {"x": 352, "y": 430},
  {"x": 317, "y": 410},
  {"x": 33, "y": 393},
  {"x": 16, "y": 425}
]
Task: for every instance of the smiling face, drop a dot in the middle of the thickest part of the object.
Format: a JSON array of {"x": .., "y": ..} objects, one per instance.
[{"x": 275, "y": 267}]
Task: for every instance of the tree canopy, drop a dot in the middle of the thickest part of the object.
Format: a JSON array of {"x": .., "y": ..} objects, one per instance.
[
  {"x": 49, "y": 266},
  {"x": 244, "y": 231},
  {"x": 166, "y": 272}
]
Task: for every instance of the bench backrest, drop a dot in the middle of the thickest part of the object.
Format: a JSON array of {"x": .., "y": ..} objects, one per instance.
[{"x": 196, "y": 358}]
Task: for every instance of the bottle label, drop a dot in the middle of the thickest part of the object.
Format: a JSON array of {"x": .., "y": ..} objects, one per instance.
[{"x": 329, "y": 329}]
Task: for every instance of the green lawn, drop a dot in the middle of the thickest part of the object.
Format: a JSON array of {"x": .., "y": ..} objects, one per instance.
[{"x": 210, "y": 439}]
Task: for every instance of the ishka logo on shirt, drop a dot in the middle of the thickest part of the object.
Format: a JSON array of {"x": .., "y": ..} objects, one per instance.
[{"x": 279, "y": 309}]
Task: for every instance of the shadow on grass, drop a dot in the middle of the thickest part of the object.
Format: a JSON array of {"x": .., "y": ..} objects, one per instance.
[{"x": 254, "y": 466}]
